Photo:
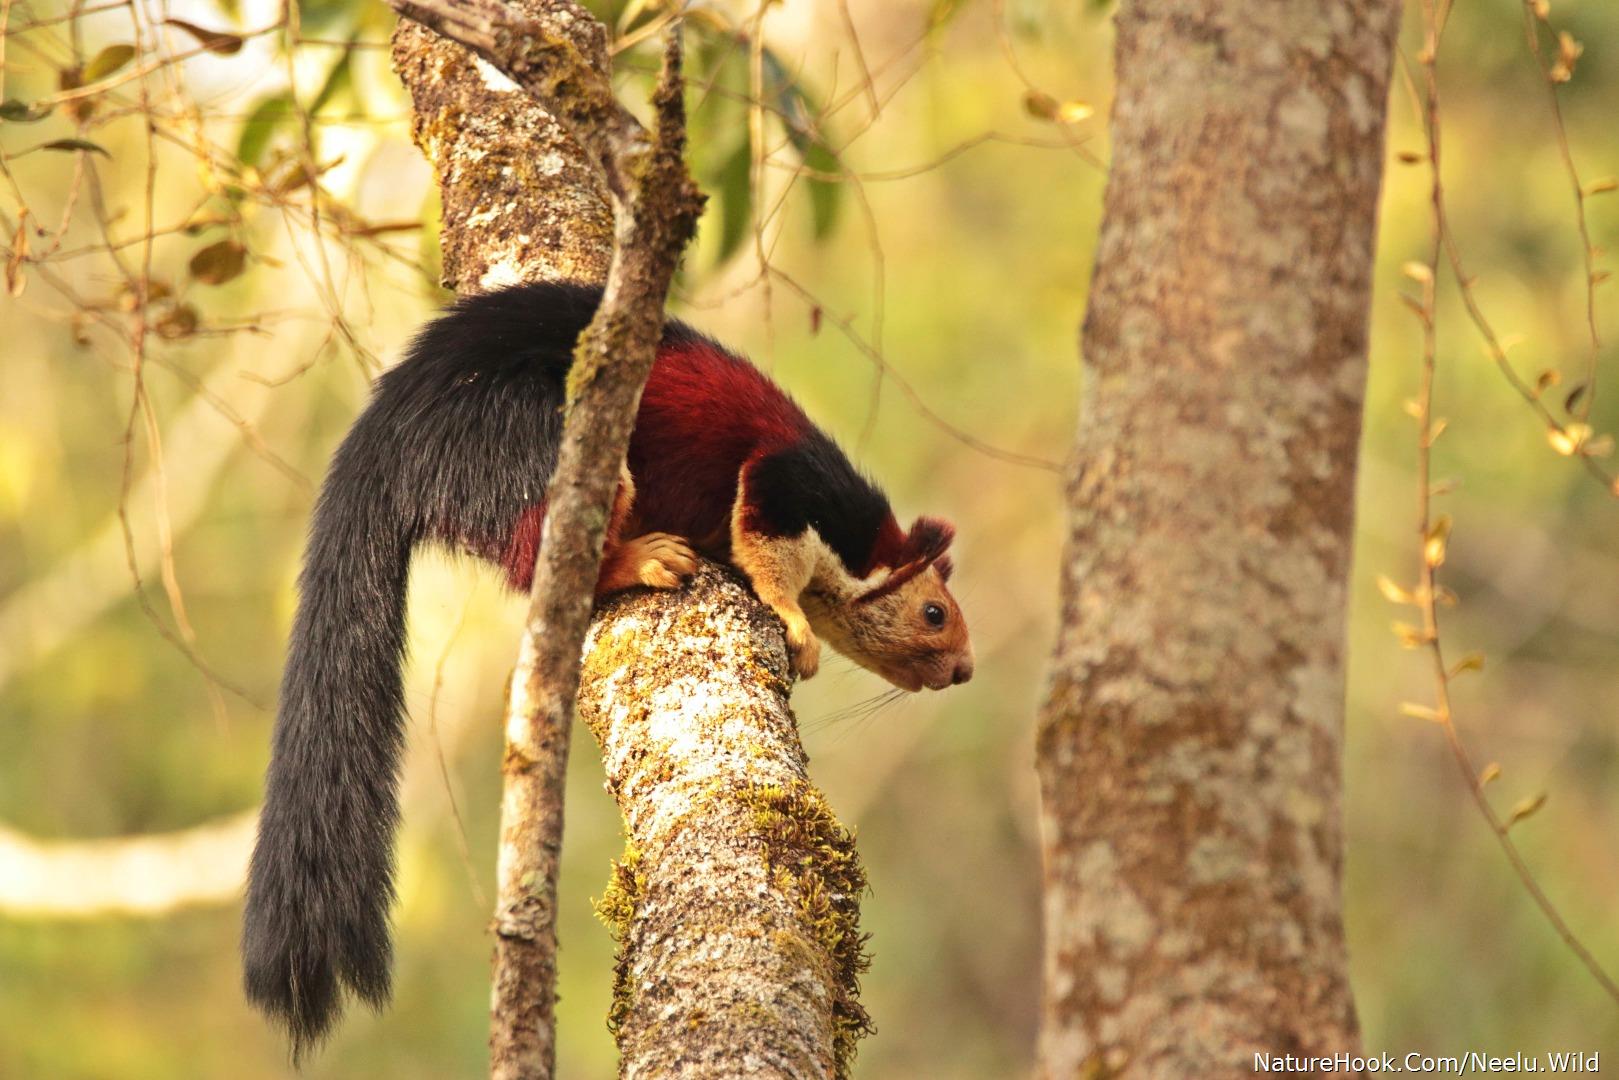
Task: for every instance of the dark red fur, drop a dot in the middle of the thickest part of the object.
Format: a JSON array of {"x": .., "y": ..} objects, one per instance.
[
  {"x": 686, "y": 453},
  {"x": 889, "y": 550},
  {"x": 522, "y": 547}
]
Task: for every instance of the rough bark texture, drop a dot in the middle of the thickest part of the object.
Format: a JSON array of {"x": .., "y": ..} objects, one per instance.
[
  {"x": 1189, "y": 748},
  {"x": 736, "y": 905},
  {"x": 521, "y": 201}
]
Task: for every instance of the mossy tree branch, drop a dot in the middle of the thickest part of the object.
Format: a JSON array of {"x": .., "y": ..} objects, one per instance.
[
  {"x": 736, "y": 904},
  {"x": 556, "y": 53}
]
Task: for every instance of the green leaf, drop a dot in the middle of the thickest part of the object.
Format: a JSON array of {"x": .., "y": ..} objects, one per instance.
[
  {"x": 77, "y": 144},
  {"x": 791, "y": 99},
  {"x": 21, "y": 112},
  {"x": 268, "y": 116},
  {"x": 331, "y": 18},
  {"x": 107, "y": 61},
  {"x": 215, "y": 41},
  {"x": 219, "y": 263},
  {"x": 339, "y": 79},
  {"x": 632, "y": 11},
  {"x": 734, "y": 185},
  {"x": 798, "y": 111},
  {"x": 825, "y": 195}
]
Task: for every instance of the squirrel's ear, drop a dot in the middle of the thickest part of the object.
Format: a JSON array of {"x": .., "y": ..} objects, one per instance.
[
  {"x": 925, "y": 546},
  {"x": 945, "y": 566},
  {"x": 928, "y": 539}
]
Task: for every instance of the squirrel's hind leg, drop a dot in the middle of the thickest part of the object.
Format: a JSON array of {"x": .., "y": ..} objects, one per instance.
[{"x": 655, "y": 560}]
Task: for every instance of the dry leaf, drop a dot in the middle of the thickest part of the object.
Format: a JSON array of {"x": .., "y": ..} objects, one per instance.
[
  {"x": 76, "y": 144},
  {"x": 20, "y": 112},
  {"x": 15, "y": 281},
  {"x": 215, "y": 41},
  {"x": 178, "y": 322},
  {"x": 1525, "y": 808},
  {"x": 1392, "y": 592},
  {"x": 1074, "y": 112},
  {"x": 1410, "y": 636},
  {"x": 1568, "y": 440},
  {"x": 219, "y": 263},
  {"x": 1568, "y": 51},
  {"x": 107, "y": 61},
  {"x": 1041, "y": 105},
  {"x": 1433, "y": 548}
]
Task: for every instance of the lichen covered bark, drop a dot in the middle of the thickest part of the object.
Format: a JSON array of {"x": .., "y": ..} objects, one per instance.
[
  {"x": 736, "y": 905},
  {"x": 520, "y": 199},
  {"x": 1189, "y": 747}
]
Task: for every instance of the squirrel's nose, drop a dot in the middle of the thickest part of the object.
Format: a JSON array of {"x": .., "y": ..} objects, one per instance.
[{"x": 964, "y": 671}]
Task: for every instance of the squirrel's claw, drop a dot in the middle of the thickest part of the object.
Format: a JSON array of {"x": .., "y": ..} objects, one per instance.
[
  {"x": 664, "y": 561},
  {"x": 803, "y": 647}
]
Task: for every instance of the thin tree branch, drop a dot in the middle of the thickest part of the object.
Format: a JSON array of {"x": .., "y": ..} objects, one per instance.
[{"x": 736, "y": 904}]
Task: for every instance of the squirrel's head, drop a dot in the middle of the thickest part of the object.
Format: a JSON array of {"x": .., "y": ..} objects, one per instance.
[{"x": 901, "y": 622}]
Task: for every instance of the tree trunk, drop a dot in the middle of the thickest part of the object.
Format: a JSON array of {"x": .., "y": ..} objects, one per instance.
[
  {"x": 520, "y": 200},
  {"x": 1189, "y": 748},
  {"x": 736, "y": 905}
]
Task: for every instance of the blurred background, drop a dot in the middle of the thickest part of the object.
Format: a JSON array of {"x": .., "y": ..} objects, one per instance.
[{"x": 922, "y": 299}]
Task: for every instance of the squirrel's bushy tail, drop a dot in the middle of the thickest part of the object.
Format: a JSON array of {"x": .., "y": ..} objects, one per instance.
[
  {"x": 321, "y": 880},
  {"x": 456, "y": 447}
]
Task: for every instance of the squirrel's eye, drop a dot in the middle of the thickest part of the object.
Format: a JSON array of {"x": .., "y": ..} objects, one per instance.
[{"x": 933, "y": 613}]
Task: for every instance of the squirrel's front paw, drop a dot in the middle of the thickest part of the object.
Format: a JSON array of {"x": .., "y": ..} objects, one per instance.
[{"x": 804, "y": 648}]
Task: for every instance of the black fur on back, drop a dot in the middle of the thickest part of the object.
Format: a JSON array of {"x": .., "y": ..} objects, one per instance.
[
  {"x": 811, "y": 484},
  {"x": 457, "y": 440}
]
